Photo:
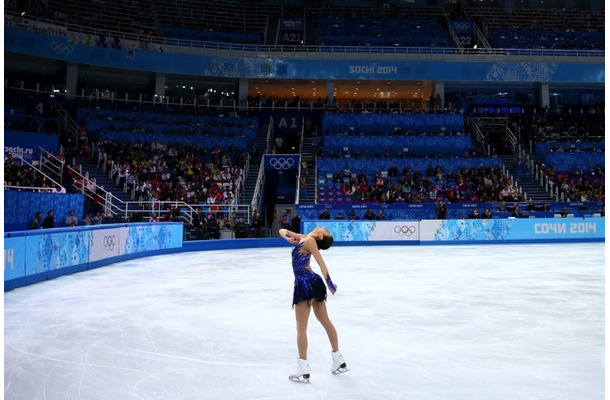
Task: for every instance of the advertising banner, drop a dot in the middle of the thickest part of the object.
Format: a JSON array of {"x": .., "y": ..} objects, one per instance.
[
  {"x": 107, "y": 243},
  {"x": 51, "y": 251},
  {"x": 149, "y": 237},
  {"x": 368, "y": 230},
  {"x": 529, "y": 229},
  {"x": 14, "y": 258},
  {"x": 25, "y": 144}
]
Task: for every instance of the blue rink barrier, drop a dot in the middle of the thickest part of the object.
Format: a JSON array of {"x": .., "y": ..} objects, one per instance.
[
  {"x": 472, "y": 231},
  {"x": 35, "y": 256},
  {"x": 38, "y": 255}
]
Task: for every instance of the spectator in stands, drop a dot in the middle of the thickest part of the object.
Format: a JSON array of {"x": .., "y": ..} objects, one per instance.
[
  {"x": 486, "y": 214},
  {"x": 517, "y": 213},
  {"x": 502, "y": 207},
  {"x": 303, "y": 187},
  {"x": 36, "y": 222},
  {"x": 564, "y": 212},
  {"x": 97, "y": 218},
  {"x": 324, "y": 214},
  {"x": 213, "y": 227},
  {"x": 49, "y": 220},
  {"x": 153, "y": 218},
  {"x": 530, "y": 206},
  {"x": 339, "y": 216},
  {"x": 240, "y": 230},
  {"x": 257, "y": 224},
  {"x": 368, "y": 215},
  {"x": 71, "y": 220},
  {"x": 175, "y": 214},
  {"x": 295, "y": 223},
  {"x": 474, "y": 214},
  {"x": 87, "y": 219},
  {"x": 59, "y": 189},
  {"x": 353, "y": 216},
  {"x": 285, "y": 219},
  {"x": 441, "y": 210},
  {"x": 380, "y": 216}
]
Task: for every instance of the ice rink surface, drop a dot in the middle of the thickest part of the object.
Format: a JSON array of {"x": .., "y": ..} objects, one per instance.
[{"x": 414, "y": 322}]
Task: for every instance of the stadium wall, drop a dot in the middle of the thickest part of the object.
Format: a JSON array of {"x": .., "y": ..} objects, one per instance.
[
  {"x": 475, "y": 67},
  {"x": 35, "y": 256}
]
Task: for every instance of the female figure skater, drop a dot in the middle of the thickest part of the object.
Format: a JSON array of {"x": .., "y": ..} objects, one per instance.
[{"x": 310, "y": 292}]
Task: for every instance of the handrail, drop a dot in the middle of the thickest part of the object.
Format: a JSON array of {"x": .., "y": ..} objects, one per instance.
[
  {"x": 26, "y": 162},
  {"x": 301, "y": 140},
  {"x": 513, "y": 141},
  {"x": 453, "y": 34},
  {"x": 157, "y": 43},
  {"x": 478, "y": 133},
  {"x": 480, "y": 38},
  {"x": 260, "y": 179},
  {"x": 69, "y": 122},
  {"x": 50, "y": 162}
]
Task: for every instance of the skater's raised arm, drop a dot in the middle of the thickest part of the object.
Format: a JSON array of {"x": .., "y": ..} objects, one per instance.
[{"x": 291, "y": 237}]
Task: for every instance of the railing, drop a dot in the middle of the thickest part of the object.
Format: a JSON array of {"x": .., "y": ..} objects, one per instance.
[
  {"x": 16, "y": 156},
  {"x": 301, "y": 139},
  {"x": 480, "y": 38},
  {"x": 479, "y": 135},
  {"x": 156, "y": 43},
  {"x": 513, "y": 141},
  {"x": 115, "y": 207},
  {"x": 49, "y": 164},
  {"x": 69, "y": 123},
  {"x": 260, "y": 179}
]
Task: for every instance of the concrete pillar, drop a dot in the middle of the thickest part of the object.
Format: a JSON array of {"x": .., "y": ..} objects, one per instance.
[
  {"x": 330, "y": 89},
  {"x": 242, "y": 93},
  {"x": 543, "y": 92},
  {"x": 71, "y": 79},
  {"x": 439, "y": 88},
  {"x": 160, "y": 79}
]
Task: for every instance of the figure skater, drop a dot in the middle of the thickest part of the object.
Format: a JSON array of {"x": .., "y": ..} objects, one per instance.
[{"x": 310, "y": 292}]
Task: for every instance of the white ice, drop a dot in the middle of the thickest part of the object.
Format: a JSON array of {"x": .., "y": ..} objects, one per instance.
[{"x": 414, "y": 322}]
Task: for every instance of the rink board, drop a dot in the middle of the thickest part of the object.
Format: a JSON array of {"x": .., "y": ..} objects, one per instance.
[{"x": 34, "y": 256}]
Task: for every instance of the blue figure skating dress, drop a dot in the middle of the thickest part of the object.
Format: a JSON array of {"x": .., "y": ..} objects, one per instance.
[{"x": 307, "y": 284}]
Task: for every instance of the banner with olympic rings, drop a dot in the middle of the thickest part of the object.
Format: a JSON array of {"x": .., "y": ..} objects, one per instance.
[
  {"x": 106, "y": 243},
  {"x": 281, "y": 162},
  {"x": 368, "y": 230}
]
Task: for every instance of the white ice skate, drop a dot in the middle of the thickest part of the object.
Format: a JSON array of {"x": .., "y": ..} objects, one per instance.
[
  {"x": 338, "y": 366},
  {"x": 302, "y": 373}
]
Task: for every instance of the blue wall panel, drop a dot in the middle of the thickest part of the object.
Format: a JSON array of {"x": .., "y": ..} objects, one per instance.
[{"x": 22, "y": 41}]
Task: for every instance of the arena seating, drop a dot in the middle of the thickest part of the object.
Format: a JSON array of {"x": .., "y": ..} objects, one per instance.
[
  {"x": 381, "y": 32},
  {"x": 174, "y": 127},
  {"x": 540, "y": 29}
]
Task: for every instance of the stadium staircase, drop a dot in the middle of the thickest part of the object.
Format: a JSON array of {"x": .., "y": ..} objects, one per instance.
[
  {"x": 307, "y": 154},
  {"x": 252, "y": 177},
  {"x": 530, "y": 186},
  {"x": 101, "y": 178}
]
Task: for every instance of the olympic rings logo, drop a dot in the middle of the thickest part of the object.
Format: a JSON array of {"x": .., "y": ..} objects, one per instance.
[
  {"x": 61, "y": 48},
  {"x": 281, "y": 163},
  {"x": 109, "y": 242},
  {"x": 405, "y": 230},
  {"x": 461, "y": 26}
]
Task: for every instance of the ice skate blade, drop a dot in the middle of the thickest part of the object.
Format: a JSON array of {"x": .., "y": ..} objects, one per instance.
[
  {"x": 343, "y": 368},
  {"x": 300, "y": 379}
]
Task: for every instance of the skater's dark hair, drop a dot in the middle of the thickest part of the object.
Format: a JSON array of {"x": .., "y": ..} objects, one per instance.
[{"x": 325, "y": 242}]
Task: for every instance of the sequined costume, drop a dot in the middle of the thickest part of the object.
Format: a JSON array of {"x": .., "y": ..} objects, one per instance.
[{"x": 307, "y": 284}]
